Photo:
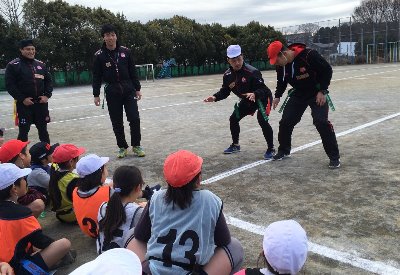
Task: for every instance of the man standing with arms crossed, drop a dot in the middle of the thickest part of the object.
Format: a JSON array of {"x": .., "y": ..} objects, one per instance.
[
  {"x": 310, "y": 75},
  {"x": 29, "y": 83},
  {"x": 114, "y": 65}
]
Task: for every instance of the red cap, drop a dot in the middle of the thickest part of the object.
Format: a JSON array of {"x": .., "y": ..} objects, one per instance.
[
  {"x": 181, "y": 167},
  {"x": 11, "y": 148},
  {"x": 273, "y": 50},
  {"x": 66, "y": 152}
]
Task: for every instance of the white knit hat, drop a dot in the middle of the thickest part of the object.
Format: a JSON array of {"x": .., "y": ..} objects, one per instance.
[{"x": 285, "y": 246}]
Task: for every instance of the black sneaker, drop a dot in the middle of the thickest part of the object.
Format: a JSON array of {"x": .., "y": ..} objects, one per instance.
[
  {"x": 334, "y": 163},
  {"x": 281, "y": 155}
]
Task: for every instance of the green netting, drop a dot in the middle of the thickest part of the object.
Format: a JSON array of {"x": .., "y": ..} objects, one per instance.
[
  {"x": 2, "y": 83},
  {"x": 85, "y": 78}
]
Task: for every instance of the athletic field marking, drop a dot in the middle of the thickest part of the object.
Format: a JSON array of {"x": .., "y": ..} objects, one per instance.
[
  {"x": 55, "y": 96},
  {"x": 343, "y": 257},
  {"x": 103, "y": 115},
  {"x": 10, "y": 101},
  {"x": 92, "y": 105},
  {"x": 300, "y": 148},
  {"x": 360, "y": 77}
]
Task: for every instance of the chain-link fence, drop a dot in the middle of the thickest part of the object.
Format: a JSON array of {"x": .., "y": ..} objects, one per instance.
[{"x": 343, "y": 41}]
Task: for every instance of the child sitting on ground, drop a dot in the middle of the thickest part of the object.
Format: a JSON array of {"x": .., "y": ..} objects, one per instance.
[
  {"x": 16, "y": 151},
  {"x": 41, "y": 157},
  {"x": 20, "y": 232},
  {"x": 182, "y": 228},
  {"x": 284, "y": 250},
  {"x": 63, "y": 181},
  {"x": 91, "y": 192},
  {"x": 118, "y": 218}
]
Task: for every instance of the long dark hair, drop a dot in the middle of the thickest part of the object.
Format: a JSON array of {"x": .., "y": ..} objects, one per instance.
[
  {"x": 91, "y": 181},
  {"x": 182, "y": 196},
  {"x": 55, "y": 177},
  {"x": 126, "y": 178}
]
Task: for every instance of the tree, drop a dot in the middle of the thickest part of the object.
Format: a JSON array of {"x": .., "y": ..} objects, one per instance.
[
  {"x": 372, "y": 11},
  {"x": 254, "y": 39},
  {"x": 11, "y": 10}
]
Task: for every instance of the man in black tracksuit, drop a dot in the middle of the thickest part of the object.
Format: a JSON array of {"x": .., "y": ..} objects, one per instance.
[
  {"x": 29, "y": 83},
  {"x": 247, "y": 83},
  {"x": 114, "y": 65},
  {"x": 310, "y": 75}
]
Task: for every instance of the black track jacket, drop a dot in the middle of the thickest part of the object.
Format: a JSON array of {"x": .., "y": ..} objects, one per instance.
[
  {"x": 309, "y": 73},
  {"x": 247, "y": 80}
]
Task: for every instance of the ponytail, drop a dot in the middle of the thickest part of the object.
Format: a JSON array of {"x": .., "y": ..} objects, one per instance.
[
  {"x": 125, "y": 180},
  {"x": 115, "y": 216}
]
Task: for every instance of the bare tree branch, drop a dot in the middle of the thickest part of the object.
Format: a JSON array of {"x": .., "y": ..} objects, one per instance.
[{"x": 11, "y": 10}]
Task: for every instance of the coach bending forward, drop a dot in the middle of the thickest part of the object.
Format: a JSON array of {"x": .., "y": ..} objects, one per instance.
[{"x": 310, "y": 75}]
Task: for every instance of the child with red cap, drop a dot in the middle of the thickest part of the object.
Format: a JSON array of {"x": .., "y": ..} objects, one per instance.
[
  {"x": 16, "y": 152},
  {"x": 21, "y": 233},
  {"x": 183, "y": 229},
  {"x": 63, "y": 181}
]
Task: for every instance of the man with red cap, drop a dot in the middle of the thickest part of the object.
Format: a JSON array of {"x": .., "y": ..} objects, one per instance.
[
  {"x": 247, "y": 83},
  {"x": 310, "y": 75},
  {"x": 183, "y": 229},
  {"x": 29, "y": 82}
]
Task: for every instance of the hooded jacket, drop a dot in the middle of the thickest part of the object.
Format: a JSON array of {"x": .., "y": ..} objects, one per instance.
[{"x": 308, "y": 73}]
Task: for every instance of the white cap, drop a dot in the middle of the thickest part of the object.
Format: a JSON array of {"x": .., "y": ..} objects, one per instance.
[
  {"x": 285, "y": 246},
  {"x": 9, "y": 173},
  {"x": 90, "y": 164},
  {"x": 233, "y": 51},
  {"x": 119, "y": 261}
]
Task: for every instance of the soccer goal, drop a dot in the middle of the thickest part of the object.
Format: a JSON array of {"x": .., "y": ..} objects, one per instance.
[{"x": 148, "y": 70}]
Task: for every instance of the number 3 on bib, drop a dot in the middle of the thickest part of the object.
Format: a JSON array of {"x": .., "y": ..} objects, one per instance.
[{"x": 169, "y": 240}]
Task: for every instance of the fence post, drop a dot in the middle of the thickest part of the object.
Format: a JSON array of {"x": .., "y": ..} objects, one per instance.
[
  {"x": 362, "y": 42},
  {"x": 374, "y": 49},
  {"x": 386, "y": 42},
  {"x": 340, "y": 46}
]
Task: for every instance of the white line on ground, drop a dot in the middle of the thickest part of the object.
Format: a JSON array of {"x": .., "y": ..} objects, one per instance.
[
  {"x": 300, "y": 148},
  {"x": 90, "y": 117},
  {"x": 343, "y": 257},
  {"x": 373, "y": 266}
]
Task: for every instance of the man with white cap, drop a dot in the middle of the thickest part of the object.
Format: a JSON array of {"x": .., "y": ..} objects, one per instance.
[
  {"x": 247, "y": 83},
  {"x": 20, "y": 231},
  {"x": 284, "y": 249},
  {"x": 119, "y": 261}
]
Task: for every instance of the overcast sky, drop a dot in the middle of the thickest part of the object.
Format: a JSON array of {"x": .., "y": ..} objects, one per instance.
[{"x": 280, "y": 13}]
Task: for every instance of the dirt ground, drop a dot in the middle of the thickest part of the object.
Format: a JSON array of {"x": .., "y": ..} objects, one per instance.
[{"x": 352, "y": 210}]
